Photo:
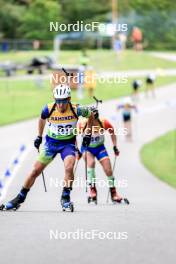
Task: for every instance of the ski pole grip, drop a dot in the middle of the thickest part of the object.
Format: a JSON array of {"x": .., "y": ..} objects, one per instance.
[
  {"x": 97, "y": 101},
  {"x": 67, "y": 73}
]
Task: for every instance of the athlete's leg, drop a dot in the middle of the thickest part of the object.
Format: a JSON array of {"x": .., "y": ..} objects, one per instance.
[
  {"x": 153, "y": 90},
  {"x": 91, "y": 178},
  {"x": 147, "y": 90},
  {"x": 106, "y": 164},
  {"x": 36, "y": 171},
  {"x": 128, "y": 127},
  {"x": 69, "y": 163},
  {"x": 20, "y": 198},
  {"x": 68, "y": 155},
  {"x": 45, "y": 157}
]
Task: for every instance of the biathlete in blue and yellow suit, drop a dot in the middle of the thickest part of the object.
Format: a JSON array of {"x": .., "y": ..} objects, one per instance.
[
  {"x": 97, "y": 149},
  {"x": 62, "y": 118}
]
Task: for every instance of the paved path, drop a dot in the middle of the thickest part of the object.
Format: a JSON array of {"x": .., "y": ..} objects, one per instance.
[
  {"x": 165, "y": 55},
  {"x": 148, "y": 223}
]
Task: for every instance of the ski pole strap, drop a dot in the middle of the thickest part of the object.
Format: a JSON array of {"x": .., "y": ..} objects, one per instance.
[
  {"x": 73, "y": 111},
  {"x": 114, "y": 163},
  {"x": 100, "y": 123},
  {"x": 52, "y": 110}
]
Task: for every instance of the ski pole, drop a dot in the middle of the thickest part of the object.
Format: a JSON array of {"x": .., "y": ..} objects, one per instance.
[
  {"x": 43, "y": 177},
  {"x": 76, "y": 166},
  {"x": 67, "y": 74},
  {"x": 107, "y": 200},
  {"x": 86, "y": 168},
  {"x": 97, "y": 101},
  {"x": 44, "y": 181}
]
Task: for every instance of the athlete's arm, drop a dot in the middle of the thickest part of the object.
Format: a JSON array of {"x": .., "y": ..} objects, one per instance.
[
  {"x": 121, "y": 106},
  {"x": 134, "y": 107},
  {"x": 78, "y": 153},
  {"x": 86, "y": 112},
  {"x": 42, "y": 120},
  {"x": 109, "y": 127},
  {"x": 41, "y": 126}
]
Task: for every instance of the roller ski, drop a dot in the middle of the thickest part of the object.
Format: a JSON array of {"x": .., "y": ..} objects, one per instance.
[
  {"x": 92, "y": 195},
  {"x": 66, "y": 204},
  {"x": 7, "y": 207},
  {"x": 14, "y": 204},
  {"x": 115, "y": 198}
]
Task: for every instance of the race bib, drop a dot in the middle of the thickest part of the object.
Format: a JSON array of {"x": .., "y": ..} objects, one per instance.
[
  {"x": 61, "y": 129},
  {"x": 97, "y": 139}
]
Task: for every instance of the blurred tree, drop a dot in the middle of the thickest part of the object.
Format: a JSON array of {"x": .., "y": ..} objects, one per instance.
[
  {"x": 30, "y": 18},
  {"x": 10, "y": 19},
  {"x": 156, "y": 18},
  {"x": 36, "y": 19},
  {"x": 73, "y": 11}
]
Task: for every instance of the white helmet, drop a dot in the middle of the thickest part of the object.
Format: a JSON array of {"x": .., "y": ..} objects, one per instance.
[
  {"x": 62, "y": 91},
  {"x": 127, "y": 101}
]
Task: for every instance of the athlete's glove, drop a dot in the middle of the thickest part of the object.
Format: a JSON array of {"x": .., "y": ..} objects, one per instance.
[
  {"x": 86, "y": 140},
  {"x": 37, "y": 142},
  {"x": 79, "y": 154},
  {"x": 95, "y": 112},
  {"x": 116, "y": 151}
]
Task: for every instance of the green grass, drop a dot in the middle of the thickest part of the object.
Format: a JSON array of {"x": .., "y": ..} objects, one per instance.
[
  {"x": 20, "y": 100},
  {"x": 100, "y": 60},
  {"x": 159, "y": 156}
]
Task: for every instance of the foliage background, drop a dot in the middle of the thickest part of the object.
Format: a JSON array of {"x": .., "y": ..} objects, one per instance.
[{"x": 29, "y": 19}]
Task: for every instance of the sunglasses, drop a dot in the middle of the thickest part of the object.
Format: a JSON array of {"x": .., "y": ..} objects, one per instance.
[{"x": 61, "y": 101}]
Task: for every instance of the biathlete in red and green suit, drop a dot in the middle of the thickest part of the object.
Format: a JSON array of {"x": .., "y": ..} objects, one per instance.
[{"x": 97, "y": 149}]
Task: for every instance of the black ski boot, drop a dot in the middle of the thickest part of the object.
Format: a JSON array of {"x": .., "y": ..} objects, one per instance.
[
  {"x": 65, "y": 200},
  {"x": 16, "y": 202}
]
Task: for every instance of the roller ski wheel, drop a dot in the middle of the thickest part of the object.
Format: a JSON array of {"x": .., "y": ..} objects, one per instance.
[
  {"x": 126, "y": 201},
  {"x": 9, "y": 207},
  {"x": 123, "y": 200},
  {"x": 116, "y": 198},
  {"x": 14, "y": 204},
  {"x": 92, "y": 195},
  {"x": 68, "y": 207},
  {"x": 92, "y": 200}
]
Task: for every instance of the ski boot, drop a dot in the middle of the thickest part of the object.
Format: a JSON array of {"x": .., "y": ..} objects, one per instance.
[
  {"x": 66, "y": 204},
  {"x": 14, "y": 204},
  {"x": 115, "y": 198},
  {"x": 92, "y": 194}
]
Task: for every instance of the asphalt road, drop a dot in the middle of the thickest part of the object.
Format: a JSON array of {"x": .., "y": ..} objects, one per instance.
[{"x": 145, "y": 230}]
